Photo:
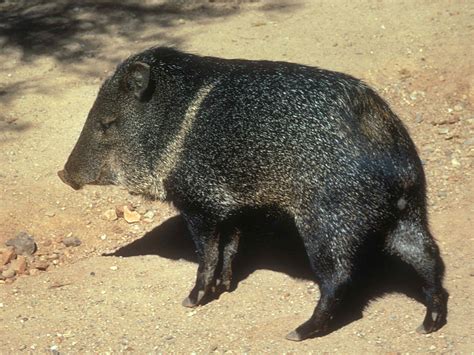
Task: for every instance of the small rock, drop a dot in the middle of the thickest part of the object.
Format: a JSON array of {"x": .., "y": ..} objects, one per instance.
[
  {"x": 23, "y": 243},
  {"x": 149, "y": 214},
  {"x": 455, "y": 163},
  {"x": 41, "y": 265},
  {"x": 114, "y": 268},
  {"x": 53, "y": 256},
  {"x": 72, "y": 241},
  {"x": 453, "y": 119},
  {"x": 469, "y": 142},
  {"x": 47, "y": 243},
  {"x": 8, "y": 254},
  {"x": 54, "y": 350},
  {"x": 50, "y": 214},
  {"x": 418, "y": 117},
  {"x": 130, "y": 216},
  {"x": 19, "y": 265},
  {"x": 9, "y": 273},
  {"x": 432, "y": 347},
  {"x": 404, "y": 73},
  {"x": 33, "y": 272},
  {"x": 110, "y": 215},
  {"x": 443, "y": 130},
  {"x": 457, "y": 108},
  {"x": 119, "y": 211}
]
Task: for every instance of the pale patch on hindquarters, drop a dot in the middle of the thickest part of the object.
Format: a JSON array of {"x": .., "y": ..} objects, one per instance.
[
  {"x": 173, "y": 151},
  {"x": 401, "y": 204}
]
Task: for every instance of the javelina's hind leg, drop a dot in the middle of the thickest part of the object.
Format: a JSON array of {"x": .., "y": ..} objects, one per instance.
[
  {"x": 332, "y": 265},
  {"x": 206, "y": 240},
  {"x": 412, "y": 242},
  {"x": 331, "y": 293}
]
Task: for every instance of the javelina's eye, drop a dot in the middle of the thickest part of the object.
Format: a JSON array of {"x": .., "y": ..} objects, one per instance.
[{"x": 106, "y": 123}]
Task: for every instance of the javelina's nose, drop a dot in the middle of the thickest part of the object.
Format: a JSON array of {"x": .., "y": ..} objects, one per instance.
[{"x": 64, "y": 178}]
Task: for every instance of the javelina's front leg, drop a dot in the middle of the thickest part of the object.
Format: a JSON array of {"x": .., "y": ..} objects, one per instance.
[
  {"x": 228, "y": 253},
  {"x": 206, "y": 240}
]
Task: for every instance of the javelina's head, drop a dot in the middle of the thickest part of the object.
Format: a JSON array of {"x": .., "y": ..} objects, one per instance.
[{"x": 111, "y": 148}]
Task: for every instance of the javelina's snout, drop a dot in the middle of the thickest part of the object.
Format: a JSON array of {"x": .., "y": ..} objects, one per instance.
[{"x": 63, "y": 175}]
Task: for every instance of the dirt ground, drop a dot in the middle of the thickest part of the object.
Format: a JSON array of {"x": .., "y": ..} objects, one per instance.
[{"x": 121, "y": 288}]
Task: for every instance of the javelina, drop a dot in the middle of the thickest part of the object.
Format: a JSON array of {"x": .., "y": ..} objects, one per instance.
[{"x": 224, "y": 138}]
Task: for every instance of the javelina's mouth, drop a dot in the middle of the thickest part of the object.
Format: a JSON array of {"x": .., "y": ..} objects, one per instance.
[{"x": 64, "y": 178}]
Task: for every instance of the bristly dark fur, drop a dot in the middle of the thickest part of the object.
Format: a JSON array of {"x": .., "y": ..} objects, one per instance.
[{"x": 225, "y": 139}]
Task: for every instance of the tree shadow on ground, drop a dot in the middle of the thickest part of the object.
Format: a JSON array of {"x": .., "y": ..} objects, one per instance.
[
  {"x": 80, "y": 33},
  {"x": 74, "y": 30},
  {"x": 282, "y": 251}
]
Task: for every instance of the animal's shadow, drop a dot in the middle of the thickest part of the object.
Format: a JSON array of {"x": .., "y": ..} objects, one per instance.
[{"x": 282, "y": 250}]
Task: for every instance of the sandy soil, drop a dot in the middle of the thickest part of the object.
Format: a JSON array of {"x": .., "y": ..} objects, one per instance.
[{"x": 54, "y": 56}]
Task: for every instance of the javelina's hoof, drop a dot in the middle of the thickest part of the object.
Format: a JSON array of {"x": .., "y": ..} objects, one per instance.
[
  {"x": 421, "y": 329},
  {"x": 194, "y": 299},
  {"x": 221, "y": 286},
  {"x": 433, "y": 321},
  {"x": 294, "y": 336},
  {"x": 187, "y": 302}
]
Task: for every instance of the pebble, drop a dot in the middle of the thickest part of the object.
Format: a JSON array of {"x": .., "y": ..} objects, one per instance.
[
  {"x": 469, "y": 142},
  {"x": 455, "y": 163},
  {"x": 442, "y": 194},
  {"x": 72, "y": 241},
  {"x": 23, "y": 243},
  {"x": 114, "y": 268},
  {"x": 457, "y": 108},
  {"x": 19, "y": 265},
  {"x": 50, "y": 214},
  {"x": 149, "y": 214},
  {"x": 53, "y": 256},
  {"x": 432, "y": 347},
  {"x": 41, "y": 265},
  {"x": 8, "y": 254},
  {"x": 415, "y": 94},
  {"x": 119, "y": 211},
  {"x": 130, "y": 216},
  {"x": 9, "y": 273},
  {"x": 33, "y": 272},
  {"x": 110, "y": 215}
]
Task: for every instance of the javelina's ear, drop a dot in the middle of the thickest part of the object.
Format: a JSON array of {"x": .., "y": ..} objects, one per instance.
[{"x": 138, "y": 80}]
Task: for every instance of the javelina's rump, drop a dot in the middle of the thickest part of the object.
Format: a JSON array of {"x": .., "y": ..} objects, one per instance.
[{"x": 222, "y": 138}]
